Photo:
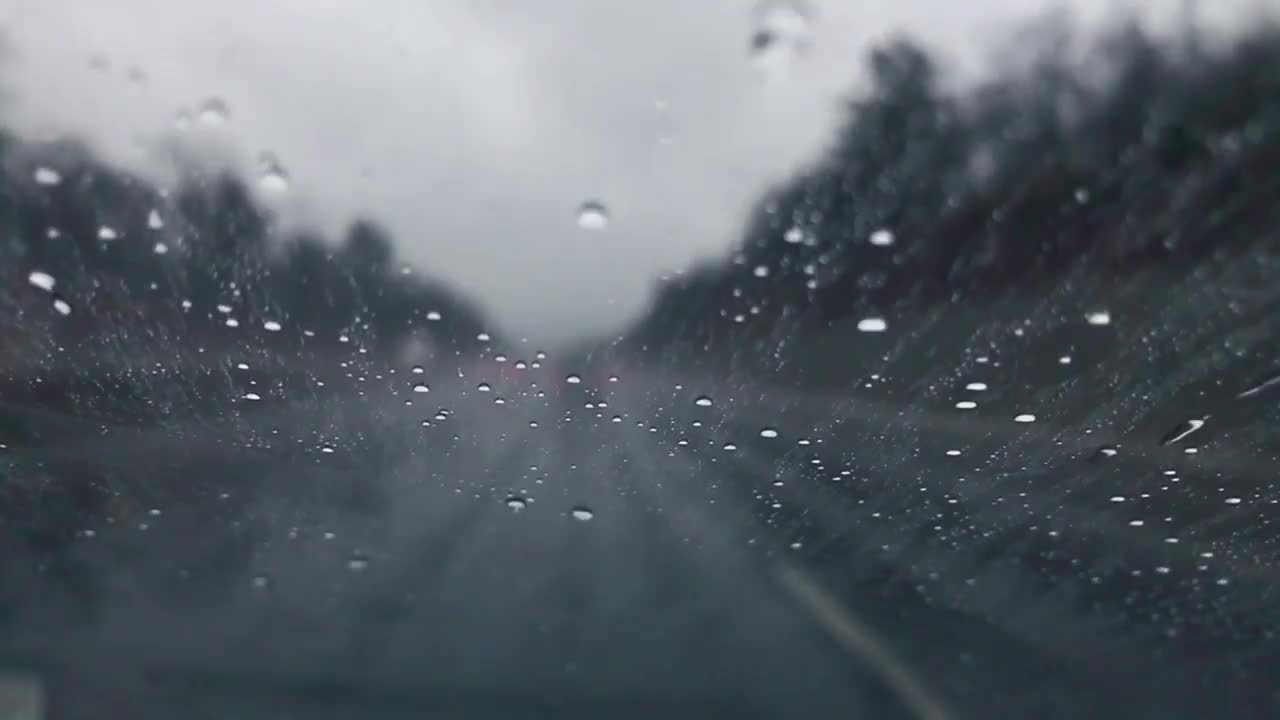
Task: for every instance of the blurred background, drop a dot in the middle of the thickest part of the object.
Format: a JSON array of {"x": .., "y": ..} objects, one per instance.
[{"x": 729, "y": 359}]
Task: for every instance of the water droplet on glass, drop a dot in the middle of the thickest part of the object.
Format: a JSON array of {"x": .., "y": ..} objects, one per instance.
[
  {"x": 107, "y": 233},
  {"x": 966, "y": 405},
  {"x": 573, "y": 379},
  {"x": 882, "y": 237},
  {"x": 1064, "y": 360},
  {"x": 62, "y": 307},
  {"x": 160, "y": 249},
  {"x": 42, "y": 280},
  {"x": 327, "y": 449},
  {"x": 761, "y": 271},
  {"x": 872, "y": 324},
  {"x": 1098, "y": 317},
  {"x": 154, "y": 221},
  {"x": 793, "y": 236},
  {"x": 781, "y": 34},
  {"x": 582, "y": 513},
  {"x": 976, "y": 386},
  {"x": 1182, "y": 430},
  {"x": 46, "y": 176},
  {"x": 433, "y": 316},
  {"x": 271, "y": 326},
  {"x": 592, "y": 215},
  {"x": 272, "y": 177},
  {"x": 484, "y": 337},
  {"x": 1105, "y": 452},
  {"x": 214, "y": 112},
  {"x": 1233, "y": 501},
  {"x": 768, "y": 433},
  {"x": 1024, "y": 418},
  {"x": 421, "y": 388},
  {"x": 484, "y": 387},
  {"x": 252, "y": 396},
  {"x": 702, "y": 401},
  {"x": 730, "y": 447},
  {"x": 418, "y": 370},
  {"x": 358, "y": 562},
  {"x": 516, "y": 503}
]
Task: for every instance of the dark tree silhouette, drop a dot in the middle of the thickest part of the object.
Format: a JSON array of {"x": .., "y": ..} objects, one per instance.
[{"x": 1151, "y": 153}]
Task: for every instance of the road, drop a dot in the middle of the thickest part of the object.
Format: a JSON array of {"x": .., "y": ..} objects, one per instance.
[{"x": 542, "y": 549}]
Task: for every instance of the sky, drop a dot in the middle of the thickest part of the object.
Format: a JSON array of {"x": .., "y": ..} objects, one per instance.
[{"x": 475, "y": 130}]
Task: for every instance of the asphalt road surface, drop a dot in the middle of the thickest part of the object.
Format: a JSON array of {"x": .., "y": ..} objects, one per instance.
[{"x": 343, "y": 544}]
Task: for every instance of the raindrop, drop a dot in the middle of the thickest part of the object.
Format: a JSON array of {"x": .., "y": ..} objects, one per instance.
[
  {"x": 768, "y": 433},
  {"x": 252, "y": 396},
  {"x": 592, "y": 215},
  {"x": 573, "y": 379},
  {"x": 1098, "y": 317},
  {"x": 433, "y": 316},
  {"x": 976, "y": 386},
  {"x": 966, "y": 405},
  {"x": 41, "y": 280},
  {"x": 160, "y": 249},
  {"x": 793, "y": 236},
  {"x": 1233, "y": 501},
  {"x": 214, "y": 111},
  {"x": 327, "y": 449},
  {"x": 1024, "y": 418},
  {"x": 1259, "y": 387},
  {"x": 358, "y": 562},
  {"x": 107, "y": 233},
  {"x": 872, "y": 324},
  {"x": 153, "y": 220},
  {"x": 46, "y": 176},
  {"x": 517, "y": 503},
  {"x": 61, "y": 306},
  {"x": 882, "y": 237},
  {"x": 730, "y": 447},
  {"x": 1182, "y": 430},
  {"x": 484, "y": 387},
  {"x": 953, "y": 453},
  {"x": 1064, "y": 360},
  {"x": 582, "y": 513},
  {"x": 1104, "y": 452},
  {"x": 761, "y": 271},
  {"x": 483, "y": 337},
  {"x": 271, "y": 326},
  {"x": 702, "y": 401},
  {"x": 421, "y": 388},
  {"x": 418, "y": 370},
  {"x": 781, "y": 33},
  {"x": 272, "y": 177}
]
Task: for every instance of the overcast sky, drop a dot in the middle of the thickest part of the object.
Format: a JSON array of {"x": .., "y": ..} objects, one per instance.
[{"x": 474, "y": 129}]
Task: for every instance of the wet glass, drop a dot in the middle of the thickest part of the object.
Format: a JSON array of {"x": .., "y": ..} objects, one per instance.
[{"x": 633, "y": 360}]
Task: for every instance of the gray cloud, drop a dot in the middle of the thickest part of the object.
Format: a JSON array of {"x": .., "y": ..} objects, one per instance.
[{"x": 474, "y": 129}]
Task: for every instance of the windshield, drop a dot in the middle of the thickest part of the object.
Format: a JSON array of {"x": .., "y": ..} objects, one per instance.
[{"x": 633, "y": 360}]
